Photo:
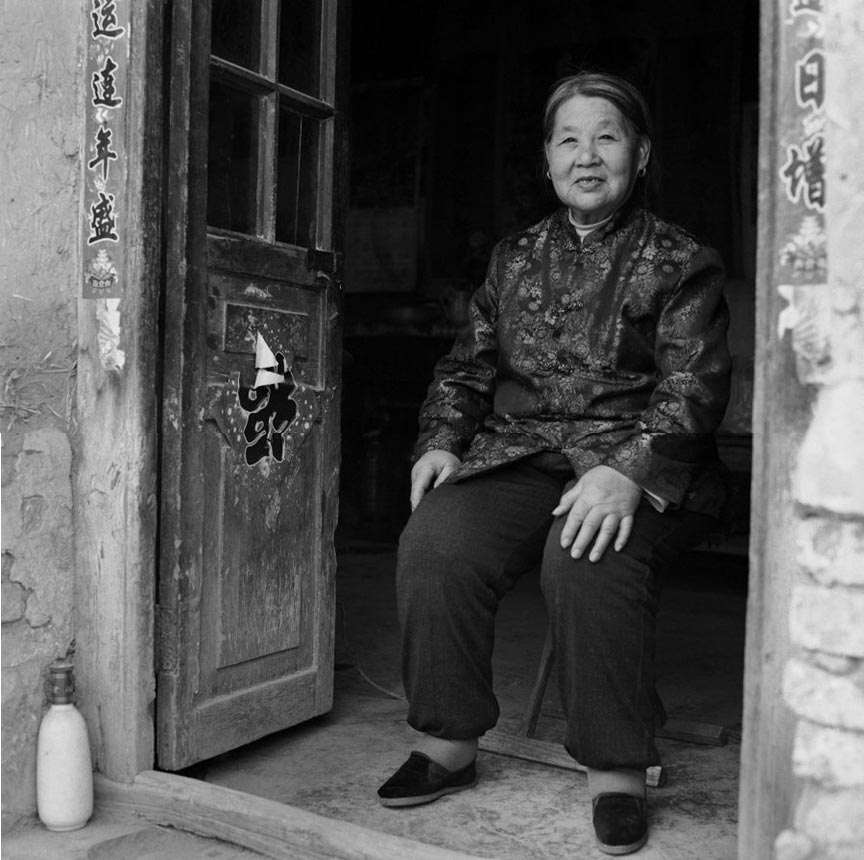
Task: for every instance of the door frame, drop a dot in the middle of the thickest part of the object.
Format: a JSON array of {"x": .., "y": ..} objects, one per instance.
[{"x": 115, "y": 490}]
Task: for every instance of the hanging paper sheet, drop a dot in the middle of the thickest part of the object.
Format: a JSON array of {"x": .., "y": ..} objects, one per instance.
[{"x": 104, "y": 165}]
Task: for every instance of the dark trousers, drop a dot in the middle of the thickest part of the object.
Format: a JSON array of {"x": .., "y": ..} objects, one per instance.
[{"x": 463, "y": 549}]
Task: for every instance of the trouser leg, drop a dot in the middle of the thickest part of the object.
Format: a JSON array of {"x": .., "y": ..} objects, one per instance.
[
  {"x": 603, "y": 620},
  {"x": 461, "y": 551}
]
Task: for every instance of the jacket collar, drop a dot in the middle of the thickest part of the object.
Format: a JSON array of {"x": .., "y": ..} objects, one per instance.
[{"x": 575, "y": 242}]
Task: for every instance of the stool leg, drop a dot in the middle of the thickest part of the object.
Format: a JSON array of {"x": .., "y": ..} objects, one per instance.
[{"x": 535, "y": 700}]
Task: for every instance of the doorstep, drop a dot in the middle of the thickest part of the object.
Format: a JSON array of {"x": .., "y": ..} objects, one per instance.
[
  {"x": 272, "y": 829},
  {"x": 109, "y": 836}
]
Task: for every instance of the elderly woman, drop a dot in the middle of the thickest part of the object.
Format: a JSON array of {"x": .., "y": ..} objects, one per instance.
[{"x": 571, "y": 426}]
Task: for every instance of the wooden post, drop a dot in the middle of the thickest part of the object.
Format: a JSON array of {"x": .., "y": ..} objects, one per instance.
[
  {"x": 790, "y": 290},
  {"x": 115, "y": 464}
]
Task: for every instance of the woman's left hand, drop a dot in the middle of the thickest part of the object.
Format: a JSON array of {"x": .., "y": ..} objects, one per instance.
[{"x": 602, "y": 503}]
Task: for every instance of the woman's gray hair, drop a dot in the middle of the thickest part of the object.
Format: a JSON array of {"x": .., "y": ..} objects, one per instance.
[{"x": 600, "y": 85}]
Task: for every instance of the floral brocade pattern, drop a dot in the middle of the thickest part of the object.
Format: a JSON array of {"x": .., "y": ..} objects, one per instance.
[{"x": 610, "y": 349}]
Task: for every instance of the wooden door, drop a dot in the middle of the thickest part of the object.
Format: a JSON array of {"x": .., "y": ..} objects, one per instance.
[{"x": 249, "y": 470}]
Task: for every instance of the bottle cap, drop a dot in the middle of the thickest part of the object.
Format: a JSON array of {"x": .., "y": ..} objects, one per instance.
[{"x": 62, "y": 682}]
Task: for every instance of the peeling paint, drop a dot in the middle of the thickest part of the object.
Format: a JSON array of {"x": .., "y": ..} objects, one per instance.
[
  {"x": 831, "y": 459},
  {"x": 808, "y": 316},
  {"x": 271, "y": 513},
  {"x": 108, "y": 317},
  {"x": 253, "y": 291}
]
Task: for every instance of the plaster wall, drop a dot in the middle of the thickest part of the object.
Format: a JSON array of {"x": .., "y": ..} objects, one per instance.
[{"x": 40, "y": 93}]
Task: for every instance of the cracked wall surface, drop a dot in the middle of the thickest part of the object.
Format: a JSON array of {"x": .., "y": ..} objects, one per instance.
[{"x": 40, "y": 83}]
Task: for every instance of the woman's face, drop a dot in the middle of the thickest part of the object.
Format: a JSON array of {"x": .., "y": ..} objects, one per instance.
[{"x": 594, "y": 157}]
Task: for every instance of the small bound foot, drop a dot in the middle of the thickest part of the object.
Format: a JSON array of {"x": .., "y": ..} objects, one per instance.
[
  {"x": 620, "y": 822},
  {"x": 421, "y": 780}
]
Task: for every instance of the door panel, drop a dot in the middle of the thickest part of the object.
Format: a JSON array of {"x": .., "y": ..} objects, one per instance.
[
  {"x": 250, "y": 463},
  {"x": 257, "y": 560}
]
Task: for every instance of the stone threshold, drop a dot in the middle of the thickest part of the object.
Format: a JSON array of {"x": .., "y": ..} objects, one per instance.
[{"x": 273, "y": 829}]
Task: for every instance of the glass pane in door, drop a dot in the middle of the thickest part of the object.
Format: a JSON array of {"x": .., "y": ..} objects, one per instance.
[
  {"x": 235, "y": 32},
  {"x": 297, "y": 178},
  {"x": 300, "y": 45},
  {"x": 232, "y": 169}
]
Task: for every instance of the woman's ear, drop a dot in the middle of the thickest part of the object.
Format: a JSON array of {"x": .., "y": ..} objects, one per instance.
[{"x": 644, "y": 152}]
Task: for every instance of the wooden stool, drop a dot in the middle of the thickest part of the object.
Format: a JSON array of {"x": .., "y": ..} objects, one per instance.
[{"x": 525, "y": 746}]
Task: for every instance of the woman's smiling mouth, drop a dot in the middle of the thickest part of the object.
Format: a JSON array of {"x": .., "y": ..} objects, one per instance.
[{"x": 588, "y": 182}]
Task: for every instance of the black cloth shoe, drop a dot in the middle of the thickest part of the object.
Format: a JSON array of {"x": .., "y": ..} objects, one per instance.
[
  {"x": 421, "y": 780},
  {"x": 620, "y": 822}
]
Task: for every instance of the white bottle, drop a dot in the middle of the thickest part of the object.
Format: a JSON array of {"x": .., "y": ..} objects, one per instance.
[{"x": 64, "y": 772}]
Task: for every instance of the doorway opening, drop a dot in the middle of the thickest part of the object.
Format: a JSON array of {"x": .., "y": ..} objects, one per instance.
[{"x": 445, "y": 141}]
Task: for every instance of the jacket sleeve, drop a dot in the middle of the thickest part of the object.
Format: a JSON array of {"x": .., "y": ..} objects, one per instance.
[
  {"x": 674, "y": 437},
  {"x": 463, "y": 383}
]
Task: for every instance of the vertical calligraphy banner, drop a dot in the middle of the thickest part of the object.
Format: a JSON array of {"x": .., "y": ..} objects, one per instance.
[
  {"x": 104, "y": 162},
  {"x": 802, "y": 244}
]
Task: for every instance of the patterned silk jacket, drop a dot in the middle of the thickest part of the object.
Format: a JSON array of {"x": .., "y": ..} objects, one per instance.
[{"x": 610, "y": 349}]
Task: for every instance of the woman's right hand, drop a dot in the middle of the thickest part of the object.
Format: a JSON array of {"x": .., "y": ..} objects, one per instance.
[{"x": 432, "y": 468}]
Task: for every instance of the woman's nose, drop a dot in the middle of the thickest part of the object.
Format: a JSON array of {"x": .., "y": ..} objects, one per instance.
[{"x": 586, "y": 154}]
